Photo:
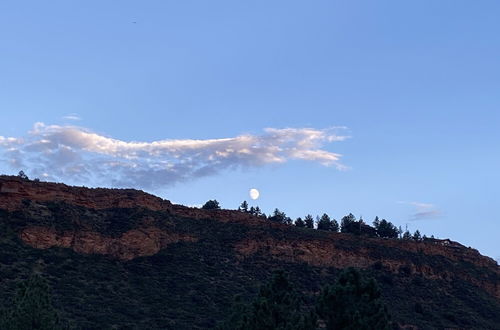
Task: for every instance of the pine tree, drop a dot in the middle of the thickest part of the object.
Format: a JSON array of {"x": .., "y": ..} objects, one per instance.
[
  {"x": 32, "y": 308},
  {"x": 324, "y": 223},
  {"x": 349, "y": 224},
  {"x": 353, "y": 303},
  {"x": 243, "y": 207},
  {"x": 252, "y": 210},
  {"x": 280, "y": 217},
  {"x": 309, "y": 221},
  {"x": 417, "y": 236},
  {"x": 334, "y": 225},
  {"x": 22, "y": 175},
  {"x": 299, "y": 223},
  {"x": 211, "y": 205},
  {"x": 407, "y": 235},
  {"x": 277, "y": 306},
  {"x": 385, "y": 228},
  {"x": 258, "y": 212}
]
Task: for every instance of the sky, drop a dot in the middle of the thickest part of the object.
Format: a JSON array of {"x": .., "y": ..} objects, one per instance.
[{"x": 379, "y": 108}]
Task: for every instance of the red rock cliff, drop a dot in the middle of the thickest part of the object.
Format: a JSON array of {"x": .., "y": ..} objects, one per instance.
[{"x": 148, "y": 239}]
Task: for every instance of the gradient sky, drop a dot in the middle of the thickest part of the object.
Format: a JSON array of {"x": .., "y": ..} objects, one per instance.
[{"x": 400, "y": 99}]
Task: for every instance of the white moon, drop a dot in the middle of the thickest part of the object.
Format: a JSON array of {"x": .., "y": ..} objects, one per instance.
[{"x": 254, "y": 193}]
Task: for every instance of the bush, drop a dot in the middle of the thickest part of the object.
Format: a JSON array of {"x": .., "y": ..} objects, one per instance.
[{"x": 211, "y": 205}]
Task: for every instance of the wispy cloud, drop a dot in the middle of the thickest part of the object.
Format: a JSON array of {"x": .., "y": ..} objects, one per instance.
[
  {"x": 73, "y": 117},
  {"x": 423, "y": 211},
  {"x": 79, "y": 155}
]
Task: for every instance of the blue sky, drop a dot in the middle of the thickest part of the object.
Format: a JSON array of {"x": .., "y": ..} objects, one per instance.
[{"x": 416, "y": 85}]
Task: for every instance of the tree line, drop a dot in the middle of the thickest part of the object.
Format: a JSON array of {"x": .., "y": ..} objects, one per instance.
[
  {"x": 348, "y": 224},
  {"x": 353, "y": 301}
]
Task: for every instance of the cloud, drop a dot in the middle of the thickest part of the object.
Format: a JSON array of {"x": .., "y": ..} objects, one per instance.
[
  {"x": 80, "y": 155},
  {"x": 72, "y": 116},
  {"x": 423, "y": 211}
]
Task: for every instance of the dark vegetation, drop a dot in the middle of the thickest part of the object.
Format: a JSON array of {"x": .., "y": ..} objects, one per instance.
[
  {"x": 348, "y": 224},
  {"x": 352, "y": 302},
  {"x": 31, "y": 308},
  {"x": 192, "y": 285}
]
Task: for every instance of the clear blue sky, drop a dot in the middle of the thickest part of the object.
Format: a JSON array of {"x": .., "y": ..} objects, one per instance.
[{"x": 416, "y": 83}]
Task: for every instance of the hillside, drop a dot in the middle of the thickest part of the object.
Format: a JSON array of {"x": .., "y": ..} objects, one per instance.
[{"x": 124, "y": 259}]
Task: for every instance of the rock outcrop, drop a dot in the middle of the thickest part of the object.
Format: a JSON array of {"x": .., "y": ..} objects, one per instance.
[{"x": 132, "y": 244}]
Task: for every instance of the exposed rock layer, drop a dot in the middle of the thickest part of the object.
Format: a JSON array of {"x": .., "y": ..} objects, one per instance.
[
  {"x": 147, "y": 239},
  {"x": 132, "y": 244}
]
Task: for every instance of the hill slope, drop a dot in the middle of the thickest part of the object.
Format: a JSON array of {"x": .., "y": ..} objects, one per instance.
[{"x": 125, "y": 259}]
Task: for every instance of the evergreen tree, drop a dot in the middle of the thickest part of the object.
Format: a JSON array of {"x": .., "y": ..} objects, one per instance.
[
  {"x": 299, "y": 222},
  {"x": 258, "y": 212},
  {"x": 309, "y": 221},
  {"x": 353, "y": 303},
  {"x": 280, "y": 217},
  {"x": 32, "y": 308},
  {"x": 22, "y": 175},
  {"x": 385, "y": 228},
  {"x": 252, "y": 210},
  {"x": 407, "y": 235},
  {"x": 417, "y": 236},
  {"x": 324, "y": 223},
  {"x": 334, "y": 225},
  {"x": 348, "y": 224},
  {"x": 277, "y": 306},
  {"x": 243, "y": 207},
  {"x": 211, "y": 205}
]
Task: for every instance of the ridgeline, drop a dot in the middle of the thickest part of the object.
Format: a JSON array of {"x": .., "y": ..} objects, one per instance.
[{"x": 125, "y": 259}]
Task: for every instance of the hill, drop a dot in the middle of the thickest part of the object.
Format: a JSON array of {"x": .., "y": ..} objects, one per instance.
[{"x": 125, "y": 259}]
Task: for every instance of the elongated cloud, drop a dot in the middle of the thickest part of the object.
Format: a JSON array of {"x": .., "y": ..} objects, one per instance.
[
  {"x": 423, "y": 211},
  {"x": 80, "y": 155}
]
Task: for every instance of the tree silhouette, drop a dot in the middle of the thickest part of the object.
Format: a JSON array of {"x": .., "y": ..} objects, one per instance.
[
  {"x": 325, "y": 223},
  {"x": 348, "y": 224},
  {"x": 22, "y": 175},
  {"x": 309, "y": 221},
  {"x": 243, "y": 207},
  {"x": 385, "y": 228},
  {"x": 300, "y": 223},
  {"x": 32, "y": 308},
  {"x": 278, "y": 306},
  {"x": 211, "y": 205},
  {"x": 407, "y": 235},
  {"x": 353, "y": 303},
  {"x": 279, "y": 216}
]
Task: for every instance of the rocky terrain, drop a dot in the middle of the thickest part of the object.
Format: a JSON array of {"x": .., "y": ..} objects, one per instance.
[{"x": 130, "y": 249}]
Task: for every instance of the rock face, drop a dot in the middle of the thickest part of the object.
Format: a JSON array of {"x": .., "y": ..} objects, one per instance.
[
  {"x": 329, "y": 253},
  {"x": 132, "y": 244},
  {"x": 326, "y": 250},
  {"x": 14, "y": 190}
]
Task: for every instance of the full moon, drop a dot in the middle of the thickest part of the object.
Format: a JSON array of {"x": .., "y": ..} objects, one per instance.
[{"x": 254, "y": 193}]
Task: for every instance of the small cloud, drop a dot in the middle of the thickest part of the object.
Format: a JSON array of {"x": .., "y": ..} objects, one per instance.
[
  {"x": 73, "y": 117},
  {"x": 423, "y": 211}
]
